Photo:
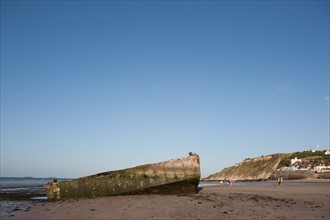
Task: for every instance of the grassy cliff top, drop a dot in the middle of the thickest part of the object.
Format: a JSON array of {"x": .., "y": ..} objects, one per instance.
[{"x": 314, "y": 158}]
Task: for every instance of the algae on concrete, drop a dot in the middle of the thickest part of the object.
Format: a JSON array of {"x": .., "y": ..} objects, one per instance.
[{"x": 169, "y": 177}]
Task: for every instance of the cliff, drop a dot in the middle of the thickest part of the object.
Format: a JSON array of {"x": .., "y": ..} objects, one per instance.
[{"x": 258, "y": 168}]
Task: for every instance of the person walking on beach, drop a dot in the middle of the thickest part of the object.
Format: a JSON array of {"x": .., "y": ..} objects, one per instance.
[
  {"x": 279, "y": 181},
  {"x": 225, "y": 181}
]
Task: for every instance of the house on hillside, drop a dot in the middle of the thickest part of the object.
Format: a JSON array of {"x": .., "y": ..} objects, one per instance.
[
  {"x": 327, "y": 152},
  {"x": 295, "y": 160},
  {"x": 300, "y": 166},
  {"x": 285, "y": 169},
  {"x": 322, "y": 166}
]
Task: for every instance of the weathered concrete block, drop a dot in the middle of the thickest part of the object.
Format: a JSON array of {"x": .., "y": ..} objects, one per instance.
[{"x": 178, "y": 176}]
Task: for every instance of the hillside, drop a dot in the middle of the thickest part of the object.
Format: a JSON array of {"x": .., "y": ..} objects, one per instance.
[
  {"x": 264, "y": 167},
  {"x": 258, "y": 168}
]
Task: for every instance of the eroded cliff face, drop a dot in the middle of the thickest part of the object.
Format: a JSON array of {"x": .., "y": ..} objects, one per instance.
[{"x": 258, "y": 168}]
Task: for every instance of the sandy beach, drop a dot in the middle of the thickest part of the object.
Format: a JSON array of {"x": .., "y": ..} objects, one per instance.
[{"x": 306, "y": 201}]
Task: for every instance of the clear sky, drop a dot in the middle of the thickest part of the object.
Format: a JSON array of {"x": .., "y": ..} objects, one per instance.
[{"x": 93, "y": 86}]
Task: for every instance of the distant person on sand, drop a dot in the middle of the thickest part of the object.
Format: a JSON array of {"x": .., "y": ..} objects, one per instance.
[{"x": 279, "y": 181}]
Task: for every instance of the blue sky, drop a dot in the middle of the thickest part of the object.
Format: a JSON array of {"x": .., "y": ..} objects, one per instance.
[{"x": 92, "y": 86}]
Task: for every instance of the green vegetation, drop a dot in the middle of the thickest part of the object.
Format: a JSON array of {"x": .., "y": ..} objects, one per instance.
[
  {"x": 314, "y": 158},
  {"x": 305, "y": 154}
]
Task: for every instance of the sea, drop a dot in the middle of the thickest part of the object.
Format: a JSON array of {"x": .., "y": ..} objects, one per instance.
[{"x": 21, "y": 194}]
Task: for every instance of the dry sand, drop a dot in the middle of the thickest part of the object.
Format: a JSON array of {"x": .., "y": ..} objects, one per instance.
[{"x": 307, "y": 201}]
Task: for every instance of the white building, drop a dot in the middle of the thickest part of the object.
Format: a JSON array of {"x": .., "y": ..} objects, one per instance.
[
  {"x": 293, "y": 161},
  {"x": 327, "y": 152},
  {"x": 321, "y": 167}
]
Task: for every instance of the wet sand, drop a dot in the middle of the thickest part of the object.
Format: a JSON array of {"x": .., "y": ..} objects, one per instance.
[{"x": 307, "y": 201}]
